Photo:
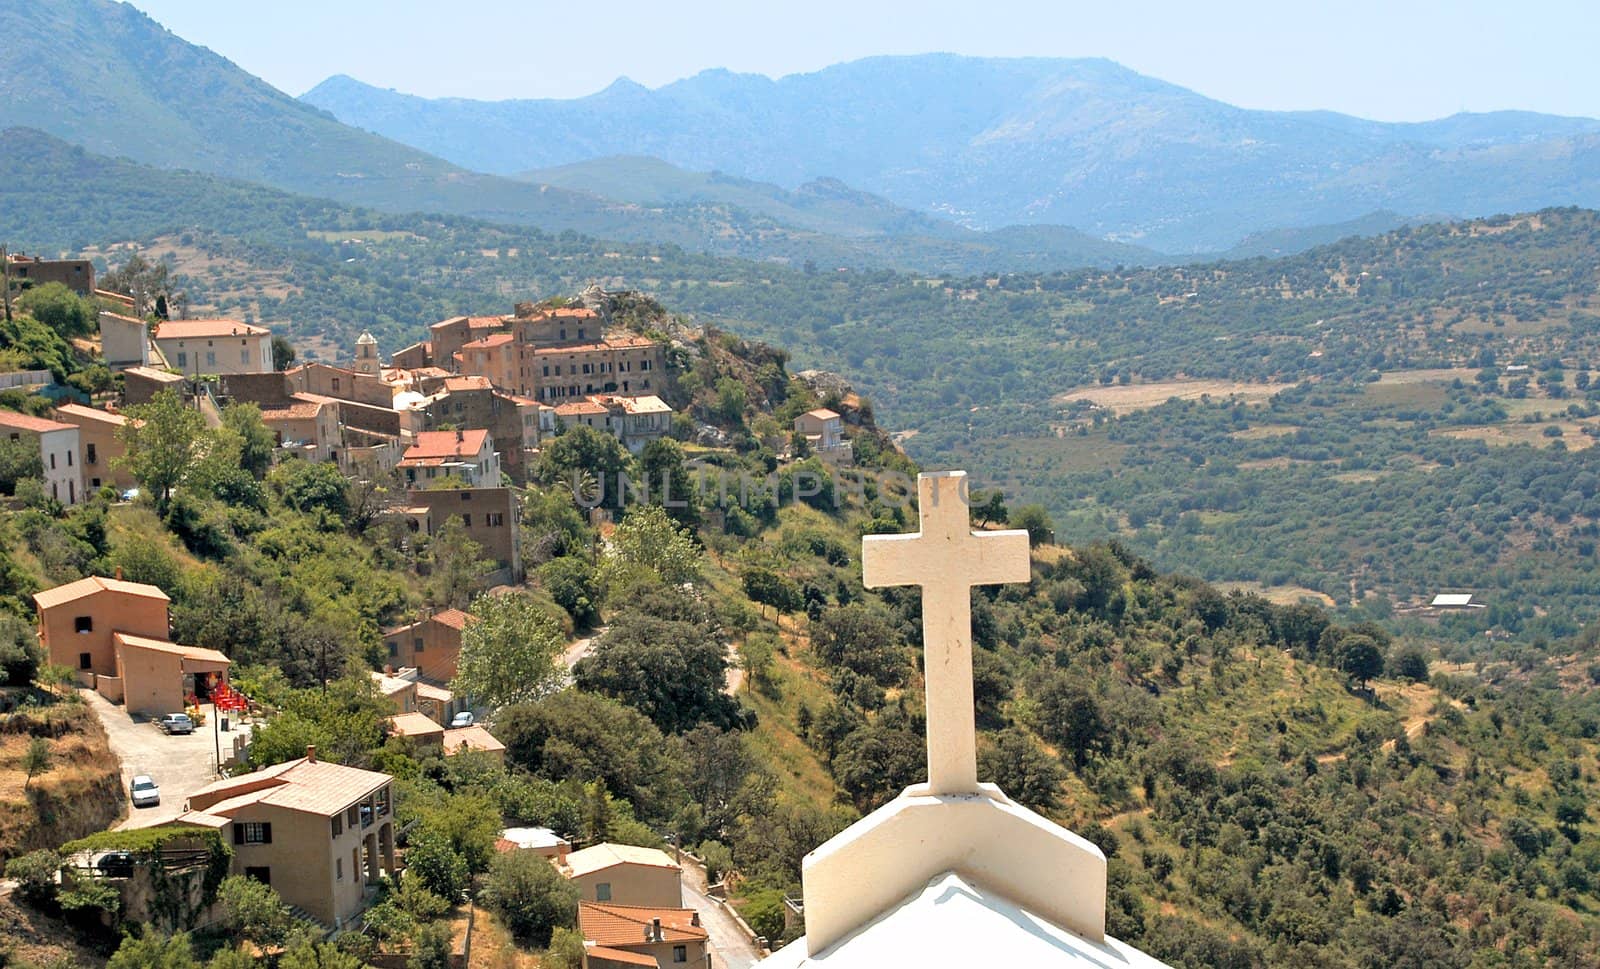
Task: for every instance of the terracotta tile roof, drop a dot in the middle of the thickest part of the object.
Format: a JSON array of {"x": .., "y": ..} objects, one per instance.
[
  {"x": 446, "y": 445},
  {"x": 470, "y": 382},
  {"x": 644, "y": 404},
  {"x": 302, "y": 411},
  {"x": 576, "y": 407},
  {"x": 822, "y": 414},
  {"x": 428, "y": 691},
  {"x": 94, "y": 585},
  {"x": 473, "y": 738},
  {"x": 198, "y": 818},
  {"x": 90, "y": 414},
  {"x": 485, "y": 342},
  {"x": 390, "y": 685},
  {"x": 315, "y": 787},
  {"x": 609, "y": 343},
  {"x": 485, "y": 322},
  {"x": 165, "y": 646},
  {"x": 27, "y": 422},
  {"x": 454, "y": 618},
  {"x": 607, "y": 855},
  {"x": 623, "y": 956},
  {"x": 606, "y": 924},
  {"x": 151, "y": 373},
  {"x": 201, "y": 329},
  {"x": 413, "y": 725}
]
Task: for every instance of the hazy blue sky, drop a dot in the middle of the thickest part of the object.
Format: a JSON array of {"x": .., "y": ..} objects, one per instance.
[{"x": 1386, "y": 59}]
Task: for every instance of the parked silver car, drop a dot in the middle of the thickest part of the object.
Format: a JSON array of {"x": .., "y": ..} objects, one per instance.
[
  {"x": 176, "y": 723},
  {"x": 144, "y": 791}
]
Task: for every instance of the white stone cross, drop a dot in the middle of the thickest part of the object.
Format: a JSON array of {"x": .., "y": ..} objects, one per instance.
[{"x": 947, "y": 558}]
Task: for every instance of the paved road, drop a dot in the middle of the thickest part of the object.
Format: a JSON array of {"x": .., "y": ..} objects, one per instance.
[
  {"x": 179, "y": 764},
  {"x": 730, "y": 947},
  {"x": 578, "y": 649}
]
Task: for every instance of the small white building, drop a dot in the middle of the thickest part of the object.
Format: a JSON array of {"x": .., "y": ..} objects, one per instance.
[
  {"x": 215, "y": 346},
  {"x": 541, "y": 841},
  {"x": 124, "y": 340},
  {"x": 58, "y": 452},
  {"x": 1456, "y": 600}
]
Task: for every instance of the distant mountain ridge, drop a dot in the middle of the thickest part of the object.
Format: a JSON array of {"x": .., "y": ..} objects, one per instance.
[
  {"x": 104, "y": 76},
  {"x": 993, "y": 142}
]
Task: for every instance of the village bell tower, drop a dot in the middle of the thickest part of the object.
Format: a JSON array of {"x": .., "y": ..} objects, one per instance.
[{"x": 367, "y": 354}]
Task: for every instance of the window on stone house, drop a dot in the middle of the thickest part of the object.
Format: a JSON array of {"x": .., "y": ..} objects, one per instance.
[
  {"x": 602, "y": 892},
  {"x": 495, "y": 520},
  {"x": 416, "y": 645},
  {"x": 338, "y": 869},
  {"x": 211, "y": 358},
  {"x": 394, "y": 648},
  {"x": 252, "y": 832},
  {"x": 680, "y": 953},
  {"x": 52, "y": 462},
  {"x": 466, "y": 521},
  {"x": 90, "y": 454},
  {"x": 85, "y": 661},
  {"x": 83, "y": 624},
  {"x": 337, "y": 825}
]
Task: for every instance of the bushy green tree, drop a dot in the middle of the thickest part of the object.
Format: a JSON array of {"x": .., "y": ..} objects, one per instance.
[
  {"x": 512, "y": 654},
  {"x": 59, "y": 308},
  {"x": 649, "y": 541},
  {"x": 151, "y": 951},
  {"x": 164, "y": 439},
  {"x": 253, "y": 911},
  {"x": 671, "y": 671},
  {"x": 18, "y": 460},
  {"x": 529, "y": 895}
]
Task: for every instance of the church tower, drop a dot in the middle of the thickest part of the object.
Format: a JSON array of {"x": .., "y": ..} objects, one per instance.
[{"x": 367, "y": 354}]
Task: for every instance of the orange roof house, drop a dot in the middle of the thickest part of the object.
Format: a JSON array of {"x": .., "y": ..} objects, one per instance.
[
  {"x": 466, "y": 454},
  {"x": 215, "y": 346},
  {"x": 636, "y": 935},
  {"x": 115, "y": 634}
]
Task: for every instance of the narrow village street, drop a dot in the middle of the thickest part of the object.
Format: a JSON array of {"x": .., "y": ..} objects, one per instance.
[{"x": 730, "y": 947}]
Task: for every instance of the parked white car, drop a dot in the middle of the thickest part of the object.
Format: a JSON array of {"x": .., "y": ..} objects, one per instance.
[
  {"x": 463, "y": 719},
  {"x": 144, "y": 791}
]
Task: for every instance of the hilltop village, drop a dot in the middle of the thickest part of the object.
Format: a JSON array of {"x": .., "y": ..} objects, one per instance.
[
  {"x": 587, "y": 635},
  {"x": 438, "y": 444}
]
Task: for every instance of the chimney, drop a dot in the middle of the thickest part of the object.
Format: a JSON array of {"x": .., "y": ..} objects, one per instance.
[
  {"x": 460, "y": 434},
  {"x": 119, "y": 573},
  {"x": 655, "y": 930},
  {"x": 694, "y": 918},
  {"x": 311, "y": 753}
]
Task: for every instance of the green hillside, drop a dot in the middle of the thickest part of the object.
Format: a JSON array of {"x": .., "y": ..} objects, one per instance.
[
  {"x": 1273, "y": 786},
  {"x": 1350, "y": 492}
]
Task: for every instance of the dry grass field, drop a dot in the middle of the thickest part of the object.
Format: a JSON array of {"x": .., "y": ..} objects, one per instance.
[{"x": 1123, "y": 399}]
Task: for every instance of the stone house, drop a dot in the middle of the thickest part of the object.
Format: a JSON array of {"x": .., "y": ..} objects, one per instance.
[{"x": 488, "y": 515}]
